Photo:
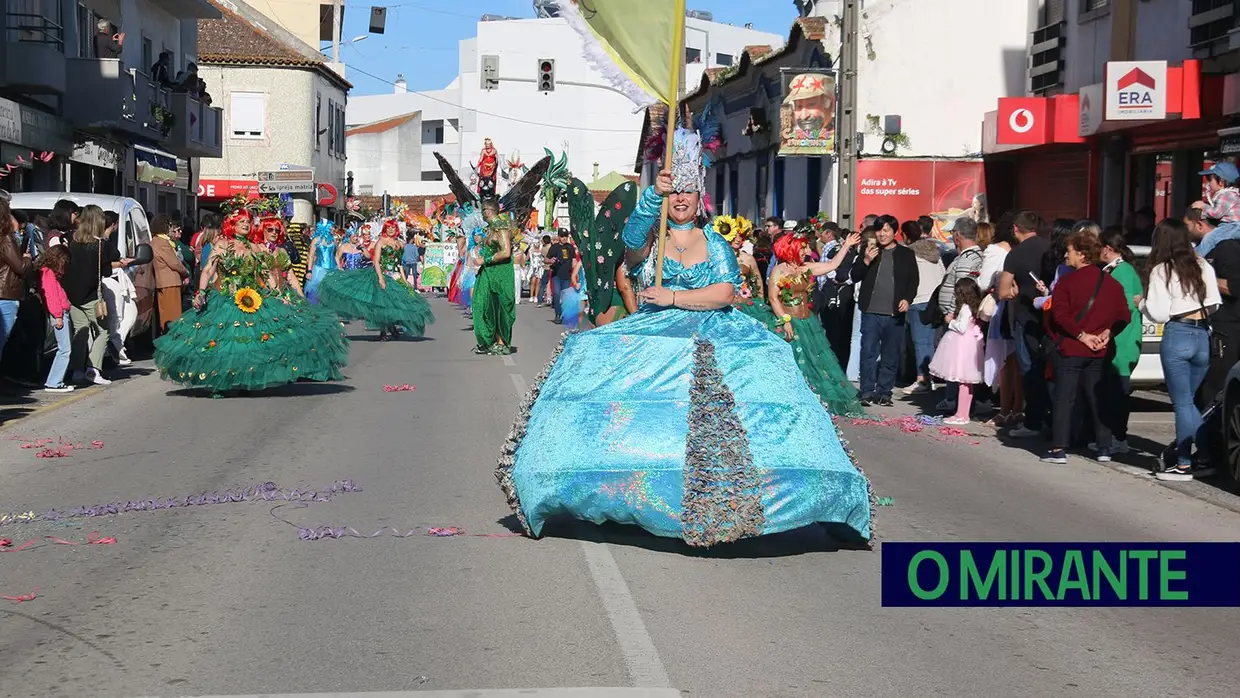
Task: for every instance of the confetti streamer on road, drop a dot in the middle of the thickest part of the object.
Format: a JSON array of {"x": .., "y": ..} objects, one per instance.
[
  {"x": 6, "y": 544},
  {"x": 406, "y": 388},
  {"x": 24, "y": 597},
  {"x": 322, "y": 532}
]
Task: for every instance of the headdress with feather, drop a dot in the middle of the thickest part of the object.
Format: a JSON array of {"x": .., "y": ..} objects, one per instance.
[
  {"x": 693, "y": 150},
  {"x": 324, "y": 230},
  {"x": 517, "y": 202}
]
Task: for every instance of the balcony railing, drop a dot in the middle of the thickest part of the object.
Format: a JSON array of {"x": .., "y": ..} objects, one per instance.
[
  {"x": 197, "y": 128},
  {"x": 1046, "y": 57},
  {"x": 28, "y": 27},
  {"x": 34, "y": 50},
  {"x": 1211, "y": 21},
  {"x": 103, "y": 94}
]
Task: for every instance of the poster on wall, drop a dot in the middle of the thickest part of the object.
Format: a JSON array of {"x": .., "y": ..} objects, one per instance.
[
  {"x": 807, "y": 114},
  {"x": 907, "y": 189}
]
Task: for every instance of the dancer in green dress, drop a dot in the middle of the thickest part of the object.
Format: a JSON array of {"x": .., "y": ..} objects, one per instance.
[
  {"x": 751, "y": 296},
  {"x": 252, "y": 329},
  {"x": 380, "y": 295},
  {"x": 494, "y": 296},
  {"x": 791, "y": 284}
]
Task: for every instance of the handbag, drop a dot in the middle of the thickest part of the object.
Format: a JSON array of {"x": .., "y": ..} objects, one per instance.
[
  {"x": 986, "y": 311},
  {"x": 101, "y": 306}
]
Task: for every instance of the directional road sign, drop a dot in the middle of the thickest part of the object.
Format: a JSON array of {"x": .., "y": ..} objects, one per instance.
[
  {"x": 306, "y": 187},
  {"x": 287, "y": 176}
]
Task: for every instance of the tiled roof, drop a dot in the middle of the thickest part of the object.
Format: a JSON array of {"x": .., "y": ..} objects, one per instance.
[
  {"x": 381, "y": 126},
  {"x": 713, "y": 73},
  {"x": 235, "y": 40},
  {"x": 756, "y": 52}
]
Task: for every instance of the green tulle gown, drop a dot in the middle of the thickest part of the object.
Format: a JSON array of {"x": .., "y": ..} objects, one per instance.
[
  {"x": 249, "y": 336},
  {"x": 355, "y": 294},
  {"x": 813, "y": 352},
  {"x": 750, "y": 301}
]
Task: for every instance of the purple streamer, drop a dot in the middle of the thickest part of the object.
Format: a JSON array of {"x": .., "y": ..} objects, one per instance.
[
  {"x": 265, "y": 492},
  {"x": 323, "y": 532}
]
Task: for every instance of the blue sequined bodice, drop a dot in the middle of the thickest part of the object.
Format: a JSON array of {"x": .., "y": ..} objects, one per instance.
[
  {"x": 719, "y": 267},
  {"x": 354, "y": 260},
  {"x": 325, "y": 255}
]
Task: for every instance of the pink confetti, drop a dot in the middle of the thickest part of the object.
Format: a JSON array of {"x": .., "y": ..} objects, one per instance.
[
  {"x": 96, "y": 444},
  {"x": 444, "y": 531},
  {"x": 24, "y": 597},
  {"x": 406, "y": 388}
]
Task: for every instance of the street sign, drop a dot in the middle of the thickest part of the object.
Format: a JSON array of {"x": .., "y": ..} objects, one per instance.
[
  {"x": 287, "y": 176},
  {"x": 306, "y": 187}
]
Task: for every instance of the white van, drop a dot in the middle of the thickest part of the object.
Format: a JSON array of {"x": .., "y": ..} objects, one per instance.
[{"x": 134, "y": 230}]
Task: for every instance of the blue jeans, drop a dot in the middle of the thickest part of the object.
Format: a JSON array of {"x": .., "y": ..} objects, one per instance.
[
  {"x": 64, "y": 347},
  {"x": 1185, "y": 354},
  {"x": 8, "y": 318},
  {"x": 557, "y": 287},
  {"x": 881, "y": 337},
  {"x": 923, "y": 339}
]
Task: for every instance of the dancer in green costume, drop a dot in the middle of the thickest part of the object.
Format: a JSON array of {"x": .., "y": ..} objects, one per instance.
[
  {"x": 381, "y": 295},
  {"x": 751, "y": 297},
  {"x": 791, "y": 284},
  {"x": 602, "y": 252},
  {"x": 494, "y": 296},
  {"x": 250, "y": 330}
]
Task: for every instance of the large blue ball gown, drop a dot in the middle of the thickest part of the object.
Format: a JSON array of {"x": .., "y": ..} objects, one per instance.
[{"x": 691, "y": 424}]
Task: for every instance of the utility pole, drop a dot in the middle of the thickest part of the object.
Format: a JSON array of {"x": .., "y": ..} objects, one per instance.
[
  {"x": 337, "y": 20},
  {"x": 846, "y": 128}
]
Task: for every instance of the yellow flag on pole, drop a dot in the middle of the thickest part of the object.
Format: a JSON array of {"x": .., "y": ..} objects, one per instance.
[{"x": 638, "y": 45}]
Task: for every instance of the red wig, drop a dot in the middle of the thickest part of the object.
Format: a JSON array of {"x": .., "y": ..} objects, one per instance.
[
  {"x": 258, "y": 233},
  {"x": 790, "y": 249},
  {"x": 229, "y": 227},
  {"x": 390, "y": 228}
]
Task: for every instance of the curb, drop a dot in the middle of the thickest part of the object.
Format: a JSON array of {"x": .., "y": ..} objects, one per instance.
[{"x": 77, "y": 396}]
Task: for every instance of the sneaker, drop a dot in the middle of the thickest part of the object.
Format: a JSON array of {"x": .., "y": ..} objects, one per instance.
[
  {"x": 482, "y": 350},
  {"x": 884, "y": 402},
  {"x": 1024, "y": 432},
  {"x": 919, "y": 388},
  {"x": 867, "y": 400},
  {"x": 94, "y": 376},
  {"x": 1055, "y": 456},
  {"x": 946, "y": 406},
  {"x": 1103, "y": 456},
  {"x": 62, "y": 388},
  {"x": 956, "y": 421},
  {"x": 1181, "y": 472},
  {"x": 123, "y": 359},
  {"x": 1118, "y": 447}
]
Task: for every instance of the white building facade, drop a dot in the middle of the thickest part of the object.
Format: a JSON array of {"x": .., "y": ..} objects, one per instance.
[
  {"x": 284, "y": 110},
  {"x": 103, "y": 123},
  {"x": 497, "y": 96}
]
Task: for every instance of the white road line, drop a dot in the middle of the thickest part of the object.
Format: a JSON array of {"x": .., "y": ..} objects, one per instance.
[
  {"x": 593, "y": 692},
  {"x": 508, "y": 361},
  {"x": 640, "y": 655}
]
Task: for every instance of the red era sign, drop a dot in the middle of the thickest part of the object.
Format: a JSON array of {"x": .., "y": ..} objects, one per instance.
[{"x": 1024, "y": 121}]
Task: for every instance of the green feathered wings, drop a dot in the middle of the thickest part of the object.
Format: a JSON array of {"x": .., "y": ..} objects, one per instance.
[{"x": 598, "y": 238}]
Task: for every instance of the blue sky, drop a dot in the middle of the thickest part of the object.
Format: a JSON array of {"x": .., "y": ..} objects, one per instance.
[{"x": 420, "y": 40}]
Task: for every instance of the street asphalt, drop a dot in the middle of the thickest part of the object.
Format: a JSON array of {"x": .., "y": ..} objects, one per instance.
[{"x": 227, "y": 600}]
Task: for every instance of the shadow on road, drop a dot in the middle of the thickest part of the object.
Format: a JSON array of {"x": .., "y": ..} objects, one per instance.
[
  {"x": 810, "y": 539},
  {"x": 307, "y": 389}
]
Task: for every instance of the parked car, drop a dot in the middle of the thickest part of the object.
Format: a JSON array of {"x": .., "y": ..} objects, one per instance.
[
  {"x": 134, "y": 230},
  {"x": 1148, "y": 373}
]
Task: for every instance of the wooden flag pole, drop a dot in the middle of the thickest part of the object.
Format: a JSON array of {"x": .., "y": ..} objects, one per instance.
[{"x": 678, "y": 57}]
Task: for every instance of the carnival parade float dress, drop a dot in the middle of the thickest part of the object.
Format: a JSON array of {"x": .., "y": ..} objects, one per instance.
[
  {"x": 691, "y": 424},
  {"x": 751, "y": 303},
  {"x": 812, "y": 350},
  {"x": 251, "y": 335},
  {"x": 355, "y": 294}
]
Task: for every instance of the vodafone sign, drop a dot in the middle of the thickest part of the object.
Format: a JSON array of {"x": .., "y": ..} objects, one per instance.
[{"x": 1024, "y": 121}]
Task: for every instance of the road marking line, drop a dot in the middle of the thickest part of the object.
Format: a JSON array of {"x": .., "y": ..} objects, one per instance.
[
  {"x": 53, "y": 406},
  {"x": 594, "y": 692},
  {"x": 509, "y": 362},
  {"x": 640, "y": 655}
]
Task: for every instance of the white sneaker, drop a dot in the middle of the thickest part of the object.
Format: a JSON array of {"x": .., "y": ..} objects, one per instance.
[
  {"x": 1118, "y": 447},
  {"x": 1024, "y": 432},
  {"x": 94, "y": 376},
  {"x": 62, "y": 388},
  {"x": 919, "y": 388}
]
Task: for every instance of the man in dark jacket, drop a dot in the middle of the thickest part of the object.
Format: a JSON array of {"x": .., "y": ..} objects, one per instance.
[{"x": 888, "y": 275}]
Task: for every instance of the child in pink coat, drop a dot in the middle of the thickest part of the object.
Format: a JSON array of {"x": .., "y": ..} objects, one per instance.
[{"x": 51, "y": 269}]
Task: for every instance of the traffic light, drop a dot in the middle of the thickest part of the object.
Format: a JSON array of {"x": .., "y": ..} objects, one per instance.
[{"x": 546, "y": 75}]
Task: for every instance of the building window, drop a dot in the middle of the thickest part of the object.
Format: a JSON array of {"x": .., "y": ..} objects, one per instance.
[
  {"x": 432, "y": 176},
  {"x": 331, "y": 127},
  {"x": 1052, "y": 12},
  {"x": 86, "y": 19},
  {"x": 724, "y": 59},
  {"x": 247, "y": 114},
  {"x": 340, "y": 130},
  {"x": 1091, "y": 5},
  {"x": 148, "y": 54},
  {"x": 693, "y": 55}
]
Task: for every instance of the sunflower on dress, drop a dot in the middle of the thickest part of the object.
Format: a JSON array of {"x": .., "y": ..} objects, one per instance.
[
  {"x": 250, "y": 333},
  {"x": 357, "y": 294}
]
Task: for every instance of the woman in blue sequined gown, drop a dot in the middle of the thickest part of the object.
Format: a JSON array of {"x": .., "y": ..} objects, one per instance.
[
  {"x": 322, "y": 257},
  {"x": 688, "y": 418}
]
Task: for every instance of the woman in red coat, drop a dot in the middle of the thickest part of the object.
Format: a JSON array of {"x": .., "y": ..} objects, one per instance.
[{"x": 1088, "y": 308}]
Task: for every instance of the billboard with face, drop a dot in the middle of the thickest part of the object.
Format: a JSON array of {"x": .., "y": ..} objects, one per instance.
[{"x": 807, "y": 114}]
